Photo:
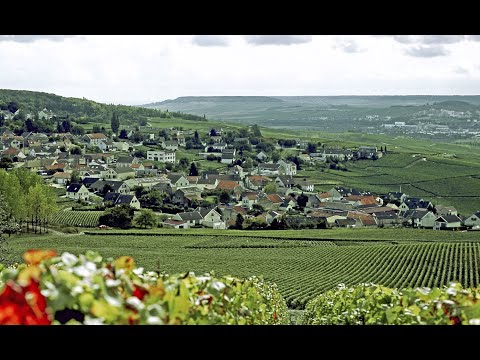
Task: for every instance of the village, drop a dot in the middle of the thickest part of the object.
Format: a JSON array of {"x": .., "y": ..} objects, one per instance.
[{"x": 98, "y": 170}]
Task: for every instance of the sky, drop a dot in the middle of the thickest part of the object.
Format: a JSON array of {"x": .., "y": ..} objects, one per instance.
[{"x": 138, "y": 69}]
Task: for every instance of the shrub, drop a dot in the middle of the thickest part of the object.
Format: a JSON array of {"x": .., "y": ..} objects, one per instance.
[
  {"x": 370, "y": 304},
  {"x": 85, "y": 289}
]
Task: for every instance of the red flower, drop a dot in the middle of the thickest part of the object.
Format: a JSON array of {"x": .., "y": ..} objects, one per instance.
[
  {"x": 455, "y": 320},
  {"x": 275, "y": 317},
  {"x": 139, "y": 292},
  {"x": 23, "y": 305}
]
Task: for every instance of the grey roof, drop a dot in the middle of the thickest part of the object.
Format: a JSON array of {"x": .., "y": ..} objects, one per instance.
[
  {"x": 346, "y": 191},
  {"x": 190, "y": 216},
  {"x": 174, "y": 178},
  {"x": 449, "y": 218},
  {"x": 386, "y": 215},
  {"x": 415, "y": 214},
  {"x": 123, "y": 170},
  {"x": 117, "y": 198},
  {"x": 74, "y": 187},
  {"x": 228, "y": 156},
  {"x": 100, "y": 184},
  {"x": 287, "y": 180},
  {"x": 125, "y": 159}
]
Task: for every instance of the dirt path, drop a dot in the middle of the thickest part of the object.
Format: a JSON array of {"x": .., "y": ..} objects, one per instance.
[{"x": 59, "y": 233}]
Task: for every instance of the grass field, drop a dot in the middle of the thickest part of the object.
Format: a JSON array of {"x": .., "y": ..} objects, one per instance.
[{"x": 302, "y": 263}]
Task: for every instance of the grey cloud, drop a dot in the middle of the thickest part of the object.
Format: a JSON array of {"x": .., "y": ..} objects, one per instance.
[
  {"x": 461, "y": 70},
  {"x": 427, "y": 51},
  {"x": 33, "y": 38},
  {"x": 277, "y": 39},
  {"x": 429, "y": 39},
  {"x": 210, "y": 40},
  {"x": 348, "y": 46},
  {"x": 473, "y": 37},
  {"x": 404, "y": 39},
  {"x": 441, "y": 39}
]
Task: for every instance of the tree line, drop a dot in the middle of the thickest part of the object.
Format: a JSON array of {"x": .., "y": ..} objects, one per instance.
[{"x": 25, "y": 201}]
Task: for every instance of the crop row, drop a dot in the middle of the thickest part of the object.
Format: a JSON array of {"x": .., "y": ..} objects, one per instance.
[{"x": 77, "y": 218}]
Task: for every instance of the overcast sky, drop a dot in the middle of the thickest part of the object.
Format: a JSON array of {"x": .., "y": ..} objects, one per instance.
[{"x": 138, "y": 69}]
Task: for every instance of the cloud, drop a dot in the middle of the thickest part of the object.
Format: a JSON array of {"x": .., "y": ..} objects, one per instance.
[
  {"x": 210, "y": 40},
  {"x": 348, "y": 46},
  {"x": 33, "y": 38},
  {"x": 258, "y": 40},
  {"x": 427, "y": 51},
  {"x": 473, "y": 37},
  {"x": 429, "y": 39},
  {"x": 461, "y": 70},
  {"x": 404, "y": 39}
]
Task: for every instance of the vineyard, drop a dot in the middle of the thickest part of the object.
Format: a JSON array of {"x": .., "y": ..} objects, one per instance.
[
  {"x": 301, "y": 268},
  {"x": 77, "y": 218}
]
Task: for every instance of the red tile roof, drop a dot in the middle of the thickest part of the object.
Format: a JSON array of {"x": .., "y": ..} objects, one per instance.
[
  {"x": 227, "y": 185},
  {"x": 275, "y": 198}
]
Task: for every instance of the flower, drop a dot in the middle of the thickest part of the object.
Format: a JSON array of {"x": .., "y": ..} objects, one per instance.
[{"x": 23, "y": 305}]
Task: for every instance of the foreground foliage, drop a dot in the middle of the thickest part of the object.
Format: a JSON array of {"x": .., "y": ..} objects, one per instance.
[
  {"x": 370, "y": 304},
  {"x": 51, "y": 289}
]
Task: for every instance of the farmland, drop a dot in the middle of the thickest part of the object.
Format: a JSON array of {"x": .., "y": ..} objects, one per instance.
[
  {"x": 302, "y": 268},
  {"x": 76, "y": 218}
]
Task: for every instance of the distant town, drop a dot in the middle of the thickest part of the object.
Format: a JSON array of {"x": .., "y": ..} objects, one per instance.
[{"x": 99, "y": 170}]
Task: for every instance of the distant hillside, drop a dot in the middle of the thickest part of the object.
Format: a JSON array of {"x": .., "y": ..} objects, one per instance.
[
  {"x": 328, "y": 113},
  {"x": 30, "y": 102}
]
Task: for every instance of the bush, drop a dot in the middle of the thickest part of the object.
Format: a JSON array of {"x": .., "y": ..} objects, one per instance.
[
  {"x": 370, "y": 304},
  {"x": 85, "y": 289}
]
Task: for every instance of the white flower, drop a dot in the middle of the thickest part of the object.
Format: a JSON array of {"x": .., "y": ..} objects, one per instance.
[
  {"x": 112, "y": 283},
  {"x": 154, "y": 320},
  {"x": 474, "y": 321},
  {"x": 77, "y": 290},
  {"x": 113, "y": 301},
  {"x": 138, "y": 271},
  {"x": 135, "y": 302},
  {"x": 92, "y": 321},
  {"x": 69, "y": 259}
]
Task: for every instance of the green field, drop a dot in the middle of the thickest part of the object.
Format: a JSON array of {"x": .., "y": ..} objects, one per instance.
[
  {"x": 302, "y": 263},
  {"x": 76, "y": 218}
]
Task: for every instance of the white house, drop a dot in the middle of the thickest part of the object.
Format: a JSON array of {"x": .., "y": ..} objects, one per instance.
[
  {"x": 161, "y": 156},
  {"x": 445, "y": 222},
  {"x": 78, "y": 192},
  {"x": 473, "y": 220}
]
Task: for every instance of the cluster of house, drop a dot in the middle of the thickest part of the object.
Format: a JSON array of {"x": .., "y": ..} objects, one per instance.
[{"x": 108, "y": 176}]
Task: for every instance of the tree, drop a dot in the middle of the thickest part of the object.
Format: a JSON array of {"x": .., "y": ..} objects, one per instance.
[
  {"x": 137, "y": 137},
  {"x": 193, "y": 169},
  {"x": 115, "y": 122},
  {"x": 275, "y": 156},
  {"x": 196, "y": 138},
  {"x": 75, "y": 177},
  {"x": 302, "y": 200},
  {"x": 146, "y": 218},
  {"x": 213, "y": 132},
  {"x": 6, "y": 163},
  {"x": 248, "y": 164},
  {"x": 106, "y": 189},
  {"x": 75, "y": 151},
  {"x": 385, "y": 148},
  {"x": 270, "y": 188},
  {"x": 224, "y": 197},
  {"x": 41, "y": 205},
  {"x": 119, "y": 216},
  {"x": 12, "y": 107},
  {"x": 239, "y": 221},
  {"x": 311, "y": 148},
  {"x": 256, "y": 131},
  {"x": 123, "y": 134}
]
